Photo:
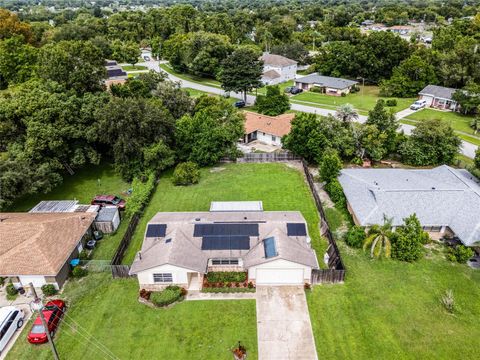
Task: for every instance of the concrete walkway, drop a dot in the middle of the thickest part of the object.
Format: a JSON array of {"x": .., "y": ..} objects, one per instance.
[{"x": 283, "y": 324}]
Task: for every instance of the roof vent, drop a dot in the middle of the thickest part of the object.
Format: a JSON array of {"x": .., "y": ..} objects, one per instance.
[
  {"x": 244, "y": 218},
  {"x": 197, "y": 219}
]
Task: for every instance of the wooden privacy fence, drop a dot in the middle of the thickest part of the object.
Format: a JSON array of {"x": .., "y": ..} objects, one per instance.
[
  {"x": 127, "y": 237},
  {"x": 268, "y": 157},
  {"x": 121, "y": 271}
]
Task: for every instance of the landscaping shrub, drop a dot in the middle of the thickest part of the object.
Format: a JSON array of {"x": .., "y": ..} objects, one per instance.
[
  {"x": 167, "y": 296},
  {"x": 335, "y": 190},
  {"x": 354, "y": 89},
  {"x": 316, "y": 89},
  {"x": 140, "y": 194},
  {"x": 460, "y": 254},
  {"x": 343, "y": 94},
  {"x": 2, "y": 281},
  {"x": 408, "y": 240},
  {"x": 83, "y": 255},
  {"x": 11, "y": 291},
  {"x": 355, "y": 236},
  {"x": 228, "y": 290},
  {"x": 391, "y": 102},
  {"x": 329, "y": 165},
  {"x": 186, "y": 173},
  {"x": 448, "y": 301},
  {"x": 250, "y": 285},
  {"x": 79, "y": 272},
  {"x": 145, "y": 294},
  {"x": 49, "y": 290},
  {"x": 226, "y": 277}
]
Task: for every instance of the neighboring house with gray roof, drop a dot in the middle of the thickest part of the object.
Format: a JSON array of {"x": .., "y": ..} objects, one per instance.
[
  {"x": 277, "y": 69},
  {"x": 181, "y": 247},
  {"x": 439, "y": 97},
  {"x": 329, "y": 85},
  {"x": 445, "y": 200}
]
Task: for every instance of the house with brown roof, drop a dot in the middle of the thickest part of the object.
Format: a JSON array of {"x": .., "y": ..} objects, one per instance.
[
  {"x": 37, "y": 247},
  {"x": 181, "y": 247},
  {"x": 277, "y": 69},
  {"x": 266, "y": 129}
]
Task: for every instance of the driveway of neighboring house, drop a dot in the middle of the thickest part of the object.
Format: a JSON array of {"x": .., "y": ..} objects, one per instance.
[{"x": 283, "y": 324}]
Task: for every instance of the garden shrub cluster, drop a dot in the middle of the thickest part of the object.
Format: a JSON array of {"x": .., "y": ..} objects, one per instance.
[
  {"x": 335, "y": 190},
  {"x": 391, "y": 102},
  {"x": 459, "y": 253},
  {"x": 228, "y": 289},
  {"x": 168, "y": 296},
  {"x": 142, "y": 188},
  {"x": 11, "y": 290},
  {"x": 226, "y": 276},
  {"x": 49, "y": 290},
  {"x": 186, "y": 173},
  {"x": 79, "y": 272},
  {"x": 355, "y": 236}
]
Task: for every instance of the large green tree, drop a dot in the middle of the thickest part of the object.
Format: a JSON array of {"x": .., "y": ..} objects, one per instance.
[
  {"x": 273, "y": 103},
  {"x": 17, "y": 61},
  {"x": 384, "y": 120},
  {"x": 242, "y": 70}
]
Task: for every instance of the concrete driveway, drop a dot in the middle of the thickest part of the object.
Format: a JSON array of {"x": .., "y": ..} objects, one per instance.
[{"x": 283, "y": 324}]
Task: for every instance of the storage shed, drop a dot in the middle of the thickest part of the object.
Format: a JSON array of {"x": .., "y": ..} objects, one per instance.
[{"x": 108, "y": 219}]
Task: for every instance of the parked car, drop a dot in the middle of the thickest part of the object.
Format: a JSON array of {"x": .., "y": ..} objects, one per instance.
[
  {"x": 146, "y": 58},
  {"x": 11, "y": 319},
  {"x": 53, "y": 312},
  {"x": 296, "y": 90},
  {"x": 103, "y": 200},
  {"x": 239, "y": 104},
  {"x": 289, "y": 89},
  {"x": 419, "y": 104}
]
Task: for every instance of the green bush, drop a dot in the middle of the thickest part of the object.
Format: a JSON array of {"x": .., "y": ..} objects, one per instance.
[
  {"x": 343, "y": 94},
  {"x": 391, "y": 102},
  {"x": 460, "y": 254},
  {"x": 354, "y": 89},
  {"x": 186, "y": 173},
  {"x": 49, "y": 290},
  {"x": 316, "y": 89},
  {"x": 355, "y": 236},
  {"x": 142, "y": 188},
  {"x": 11, "y": 291},
  {"x": 79, "y": 272},
  {"x": 83, "y": 255},
  {"x": 228, "y": 290},
  {"x": 335, "y": 190},
  {"x": 167, "y": 296},
  {"x": 2, "y": 281},
  {"x": 329, "y": 165},
  {"x": 226, "y": 276}
]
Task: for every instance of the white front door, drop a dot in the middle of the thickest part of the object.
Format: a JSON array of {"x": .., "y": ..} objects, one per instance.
[{"x": 279, "y": 276}]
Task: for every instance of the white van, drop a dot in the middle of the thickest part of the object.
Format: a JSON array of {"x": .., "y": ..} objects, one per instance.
[
  {"x": 11, "y": 319},
  {"x": 419, "y": 104}
]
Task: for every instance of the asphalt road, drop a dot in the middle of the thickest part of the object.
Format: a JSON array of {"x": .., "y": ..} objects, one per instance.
[{"x": 467, "y": 149}]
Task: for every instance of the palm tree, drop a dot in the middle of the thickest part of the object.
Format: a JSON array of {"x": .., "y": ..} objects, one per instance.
[
  {"x": 475, "y": 124},
  {"x": 346, "y": 113},
  {"x": 378, "y": 239}
]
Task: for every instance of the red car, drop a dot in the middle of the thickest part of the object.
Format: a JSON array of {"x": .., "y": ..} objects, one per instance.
[
  {"x": 53, "y": 312},
  {"x": 103, "y": 200}
]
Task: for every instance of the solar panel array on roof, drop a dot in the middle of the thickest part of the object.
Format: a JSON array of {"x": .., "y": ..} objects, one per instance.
[
  {"x": 296, "y": 229},
  {"x": 115, "y": 72},
  {"x": 225, "y": 229},
  {"x": 156, "y": 230},
  {"x": 269, "y": 247},
  {"x": 239, "y": 242}
]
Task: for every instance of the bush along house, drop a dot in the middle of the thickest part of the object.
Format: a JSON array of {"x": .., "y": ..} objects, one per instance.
[{"x": 180, "y": 248}]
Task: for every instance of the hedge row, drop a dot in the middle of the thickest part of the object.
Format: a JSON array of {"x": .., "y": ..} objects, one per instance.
[
  {"x": 226, "y": 276},
  {"x": 228, "y": 290}
]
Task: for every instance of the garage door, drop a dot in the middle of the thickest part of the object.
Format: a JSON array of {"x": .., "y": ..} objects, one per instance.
[{"x": 279, "y": 276}]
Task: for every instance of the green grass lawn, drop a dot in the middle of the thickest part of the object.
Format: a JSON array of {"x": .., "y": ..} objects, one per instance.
[
  {"x": 263, "y": 90},
  {"x": 108, "y": 310},
  {"x": 460, "y": 123},
  {"x": 277, "y": 185},
  {"x": 192, "y": 78},
  {"x": 391, "y": 310},
  {"x": 197, "y": 93},
  {"x": 134, "y": 68},
  {"x": 363, "y": 101}
]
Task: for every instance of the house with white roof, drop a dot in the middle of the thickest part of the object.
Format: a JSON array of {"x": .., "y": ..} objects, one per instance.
[
  {"x": 181, "y": 247},
  {"x": 327, "y": 84},
  {"x": 445, "y": 200}
]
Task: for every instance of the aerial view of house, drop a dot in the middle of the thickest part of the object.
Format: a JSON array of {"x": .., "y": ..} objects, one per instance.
[
  {"x": 439, "y": 97},
  {"x": 277, "y": 69},
  {"x": 180, "y": 248},
  {"x": 266, "y": 129},
  {"x": 328, "y": 85},
  {"x": 445, "y": 200}
]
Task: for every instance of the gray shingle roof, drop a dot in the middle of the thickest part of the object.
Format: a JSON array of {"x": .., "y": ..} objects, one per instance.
[
  {"x": 442, "y": 196},
  {"x": 106, "y": 213},
  {"x": 277, "y": 60},
  {"x": 438, "y": 91},
  {"x": 332, "y": 82}
]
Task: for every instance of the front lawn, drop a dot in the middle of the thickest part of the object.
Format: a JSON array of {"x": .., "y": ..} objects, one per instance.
[
  {"x": 108, "y": 311},
  {"x": 391, "y": 310},
  {"x": 277, "y": 185},
  {"x": 459, "y": 122},
  {"x": 190, "y": 77},
  {"x": 134, "y": 68},
  {"x": 363, "y": 101}
]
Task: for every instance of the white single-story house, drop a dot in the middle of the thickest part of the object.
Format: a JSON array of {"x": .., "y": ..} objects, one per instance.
[
  {"x": 277, "y": 69},
  {"x": 38, "y": 247},
  {"x": 181, "y": 247},
  {"x": 328, "y": 85},
  {"x": 439, "y": 97},
  {"x": 445, "y": 200},
  {"x": 267, "y": 129}
]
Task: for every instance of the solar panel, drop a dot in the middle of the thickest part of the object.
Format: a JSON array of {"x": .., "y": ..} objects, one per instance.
[
  {"x": 232, "y": 229},
  {"x": 241, "y": 242},
  {"x": 269, "y": 247},
  {"x": 156, "y": 230},
  {"x": 296, "y": 229}
]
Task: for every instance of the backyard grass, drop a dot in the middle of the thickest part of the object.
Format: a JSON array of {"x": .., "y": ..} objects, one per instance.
[
  {"x": 459, "y": 122},
  {"x": 109, "y": 312},
  {"x": 363, "y": 101},
  {"x": 134, "y": 68},
  {"x": 189, "y": 77},
  {"x": 277, "y": 185},
  {"x": 391, "y": 310}
]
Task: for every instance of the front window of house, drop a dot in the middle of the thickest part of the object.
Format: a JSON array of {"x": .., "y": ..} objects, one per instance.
[
  {"x": 163, "y": 278},
  {"x": 216, "y": 262}
]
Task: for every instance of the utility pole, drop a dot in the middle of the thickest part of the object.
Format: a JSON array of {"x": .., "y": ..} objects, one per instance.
[{"x": 38, "y": 305}]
